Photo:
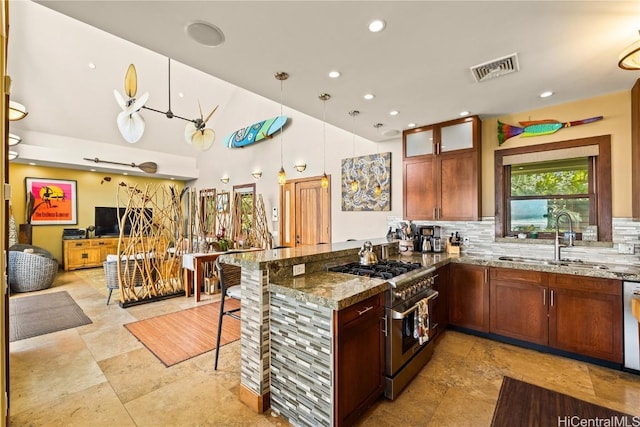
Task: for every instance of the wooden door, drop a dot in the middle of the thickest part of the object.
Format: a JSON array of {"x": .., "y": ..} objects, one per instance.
[
  {"x": 305, "y": 213},
  {"x": 469, "y": 297},
  {"x": 519, "y": 305}
]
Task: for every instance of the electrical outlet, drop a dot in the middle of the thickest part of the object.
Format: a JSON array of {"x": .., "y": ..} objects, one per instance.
[
  {"x": 626, "y": 248},
  {"x": 298, "y": 269},
  {"x": 465, "y": 240}
]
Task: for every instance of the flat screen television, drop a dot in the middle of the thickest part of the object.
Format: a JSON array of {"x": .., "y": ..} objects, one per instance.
[{"x": 107, "y": 224}]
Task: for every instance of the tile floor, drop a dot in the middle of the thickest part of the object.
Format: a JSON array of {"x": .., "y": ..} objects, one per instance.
[{"x": 99, "y": 374}]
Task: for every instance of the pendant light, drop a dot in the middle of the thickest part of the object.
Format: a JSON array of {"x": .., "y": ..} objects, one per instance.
[
  {"x": 354, "y": 182},
  {"x": 324, "y": 182},
  {"x": 377, "y": 190},
  {"x": 282, "y": 176}
]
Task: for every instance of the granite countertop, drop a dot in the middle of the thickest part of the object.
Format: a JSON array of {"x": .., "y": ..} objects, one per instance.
[{"x": 330, "y": 289}]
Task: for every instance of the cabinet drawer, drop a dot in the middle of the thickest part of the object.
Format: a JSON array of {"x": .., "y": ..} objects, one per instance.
[
  {"x": 587, "y": 284},
  {"x": 102, "y": 243},
  {"x": 362, "y": 308},
  {"x": 78, "y": 244},
  {"x": 520, "y": 276}
]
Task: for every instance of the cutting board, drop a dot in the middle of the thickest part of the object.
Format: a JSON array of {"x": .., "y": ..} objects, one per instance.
[{"x": 635, "y": 308}]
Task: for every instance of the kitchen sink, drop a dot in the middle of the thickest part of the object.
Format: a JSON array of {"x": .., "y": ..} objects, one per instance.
[{"x": 563, "y": 262}]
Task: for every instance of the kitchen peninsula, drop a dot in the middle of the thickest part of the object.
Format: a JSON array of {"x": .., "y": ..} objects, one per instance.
[{"x": 274, "y": 302}]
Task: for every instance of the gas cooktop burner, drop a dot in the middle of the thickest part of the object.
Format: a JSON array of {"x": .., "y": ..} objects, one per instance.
[{"x": 383, "y": 269}]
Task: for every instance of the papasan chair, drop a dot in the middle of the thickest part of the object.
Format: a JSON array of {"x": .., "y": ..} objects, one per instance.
[{"x": 33, "y": 270}]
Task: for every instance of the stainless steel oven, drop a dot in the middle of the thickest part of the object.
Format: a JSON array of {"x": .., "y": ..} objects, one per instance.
[{"x": 409, "y": 285}]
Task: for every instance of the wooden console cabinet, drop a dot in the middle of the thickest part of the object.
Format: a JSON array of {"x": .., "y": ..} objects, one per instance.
[{"x": 87, "y": 253}]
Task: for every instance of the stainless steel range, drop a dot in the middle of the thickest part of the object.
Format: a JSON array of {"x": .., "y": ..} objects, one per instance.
[{"x": 407, "y": 335}]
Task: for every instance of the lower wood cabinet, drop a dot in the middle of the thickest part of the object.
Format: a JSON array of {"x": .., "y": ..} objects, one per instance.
[
  {"x": 519, "y": 305},
  {"x": 87, "y": 253},
  {"x": 577, "y": 314},
  {"x": 468, "y": 295},
  {"x": 359, "y": 358},
  {"x": 585, "y": 316}
]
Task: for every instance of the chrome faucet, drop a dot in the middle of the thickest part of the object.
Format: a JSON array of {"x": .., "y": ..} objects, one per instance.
[{"x": 557, "y": 245}]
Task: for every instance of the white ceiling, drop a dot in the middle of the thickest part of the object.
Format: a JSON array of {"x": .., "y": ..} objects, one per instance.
[{"x": 419, "y": 65}]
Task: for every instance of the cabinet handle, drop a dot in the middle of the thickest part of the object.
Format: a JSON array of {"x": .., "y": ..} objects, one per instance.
[
  {"x": 544, "y": 297},
  {"x": 552, "y": 297},
  {"x": 435, "y": 213},
  {"x": 384, "y": 328},
  {"x": 486, "y": 276},
  {"x": 360, "y": 313}
]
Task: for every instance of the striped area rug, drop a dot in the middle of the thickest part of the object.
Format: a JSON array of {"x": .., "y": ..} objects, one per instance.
[{"x": 179, "y": 336}]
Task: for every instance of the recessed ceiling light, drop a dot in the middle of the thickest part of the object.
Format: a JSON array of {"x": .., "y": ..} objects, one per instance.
[
  {"x": 377, "y": 25},
  {"x": 31, "y": 164},
  {"x": 369, "y": 96},
  {"x": 181, "y": 95},
  {"x": 464, "y": 113},
  {"x": 172, "y": 179},
  {"x": 394, "y": 112},
  {"x": 411, "y": 125},
  {"x": 125, "y": 173},
  {"x": 204, "y": 33},
  {"x": 92, "y": 170},
  {"x": 334, "y": 74},
  {"x": 546, "y": 94},
  {"x": 92, "y": 65}
]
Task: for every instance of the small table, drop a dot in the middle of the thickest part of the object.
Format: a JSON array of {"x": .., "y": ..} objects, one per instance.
[{"x": 195, "y": 263}]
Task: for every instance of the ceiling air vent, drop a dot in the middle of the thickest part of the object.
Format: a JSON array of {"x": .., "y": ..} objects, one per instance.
[{"x": 495, "y": 68}]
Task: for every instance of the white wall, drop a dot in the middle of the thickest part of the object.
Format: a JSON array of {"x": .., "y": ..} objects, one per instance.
[{"x": 302, "y": 142}]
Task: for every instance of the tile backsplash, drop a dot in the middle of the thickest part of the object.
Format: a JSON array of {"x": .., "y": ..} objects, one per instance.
[{"x": 482, "y": 241}]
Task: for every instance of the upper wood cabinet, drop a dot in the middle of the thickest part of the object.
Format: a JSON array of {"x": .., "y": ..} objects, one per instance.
[{"x": 441, "y": 171}]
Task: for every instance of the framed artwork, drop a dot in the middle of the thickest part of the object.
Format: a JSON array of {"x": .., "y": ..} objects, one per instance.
[
  {"x": 372, "y": 173},
  {"x": 52, "y": 201}
]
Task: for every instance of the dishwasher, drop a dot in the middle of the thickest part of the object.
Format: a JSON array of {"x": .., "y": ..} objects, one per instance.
[{"x": 631, "y": 339}]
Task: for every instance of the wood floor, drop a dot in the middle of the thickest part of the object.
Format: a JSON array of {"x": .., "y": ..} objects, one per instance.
[{"x": 100, "y": 375}]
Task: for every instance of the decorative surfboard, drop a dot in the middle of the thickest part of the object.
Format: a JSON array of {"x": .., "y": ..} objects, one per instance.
[{"x": 255, "y": 132}]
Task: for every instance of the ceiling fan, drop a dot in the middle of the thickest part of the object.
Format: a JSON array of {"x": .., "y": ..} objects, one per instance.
[{"x": 131, "y": 124}]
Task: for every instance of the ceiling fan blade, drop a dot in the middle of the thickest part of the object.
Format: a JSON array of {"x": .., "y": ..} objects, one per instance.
[
  {"x": 131, "y": 126},
  {"x": 139, "y": 102},
  {"x": 120, "y": 100},
  {"x": 189, "y": 130},
  {"x": 200, "y": 108},
  {"x": 203, "y": 140},
  {"x": 148, "y": 167},
  {"x": 131, "y": 81},
  {"x": 211, "y": 114}
]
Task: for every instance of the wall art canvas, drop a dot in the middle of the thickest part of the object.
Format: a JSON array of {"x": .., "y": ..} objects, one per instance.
[
  {"x": 54, "y": 201},
  {"x": 373, "y": 175}
]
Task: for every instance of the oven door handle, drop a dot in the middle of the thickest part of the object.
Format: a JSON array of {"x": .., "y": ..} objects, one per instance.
[{"x": 396, "y": 315}]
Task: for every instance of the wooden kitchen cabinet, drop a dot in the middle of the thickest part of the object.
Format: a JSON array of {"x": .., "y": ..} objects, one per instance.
[
  {"x": 441, "y": 171},
  {"x": 440, "y": 284},
  {"x": 359, "y": 358},
  {"x": 519, "y": 304},
  {"x": 577, "y": 314},
  {"x": 468, "y": 295},
  {"x": 585, "y": 316}
]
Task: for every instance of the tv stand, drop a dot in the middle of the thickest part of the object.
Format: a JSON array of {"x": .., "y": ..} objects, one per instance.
[{"x": 87, "y": 253}]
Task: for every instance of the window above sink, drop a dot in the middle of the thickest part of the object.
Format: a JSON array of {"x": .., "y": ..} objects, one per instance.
[{"x": 534, "y": 183}]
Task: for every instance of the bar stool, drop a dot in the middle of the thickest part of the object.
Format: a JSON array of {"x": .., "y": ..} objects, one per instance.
[{"x": 228, "y": 289}]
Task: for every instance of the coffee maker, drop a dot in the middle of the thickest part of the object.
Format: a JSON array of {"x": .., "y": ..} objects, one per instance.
[{"x": 429, "y": 239}]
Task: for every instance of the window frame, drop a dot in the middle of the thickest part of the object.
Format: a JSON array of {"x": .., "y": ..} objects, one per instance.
[{"x": 600, "y": 181}]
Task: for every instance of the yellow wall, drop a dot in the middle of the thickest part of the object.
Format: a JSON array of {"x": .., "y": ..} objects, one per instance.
[
  {"x": 616, "y": 109},
  {"x": 91, "y": 193}
]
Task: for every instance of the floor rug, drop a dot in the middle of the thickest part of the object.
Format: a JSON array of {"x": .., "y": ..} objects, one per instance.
[
  {"x": 524, "y": 404},
  {"x": 179, "y": 336},
  {"x": 34, "y": 315}
]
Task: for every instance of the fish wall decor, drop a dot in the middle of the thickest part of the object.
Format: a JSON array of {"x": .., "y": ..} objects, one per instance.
[{"x": 537, "y": 128}]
